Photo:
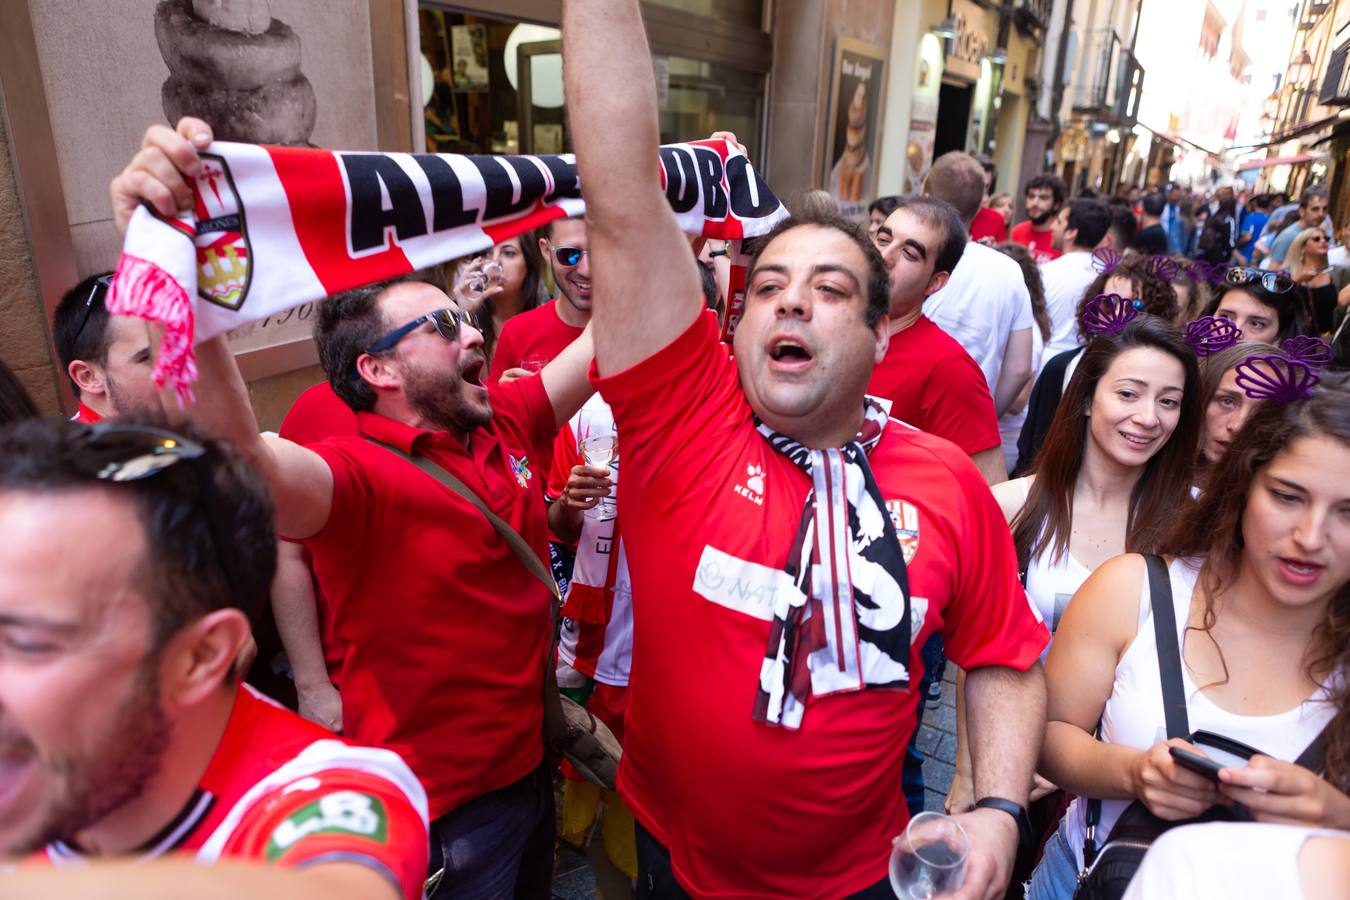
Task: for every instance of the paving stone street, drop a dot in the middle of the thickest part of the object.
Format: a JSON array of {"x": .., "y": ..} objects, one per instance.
[{"x": 937, "y": 741}]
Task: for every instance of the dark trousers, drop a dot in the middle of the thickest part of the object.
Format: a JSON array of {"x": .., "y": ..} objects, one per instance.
[
  {"x": 656, "y": 881},
  {"x": 911, "y": 771},
  {"x": 498, "y": 845}
]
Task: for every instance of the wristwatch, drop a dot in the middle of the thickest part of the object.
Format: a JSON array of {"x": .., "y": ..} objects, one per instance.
[
  {"x": 720, "y": 252},
  {"x": 1016, "y": 810}
]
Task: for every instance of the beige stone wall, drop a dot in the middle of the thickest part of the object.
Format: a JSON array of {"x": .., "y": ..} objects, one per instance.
[{"x": 24, "y": 343}]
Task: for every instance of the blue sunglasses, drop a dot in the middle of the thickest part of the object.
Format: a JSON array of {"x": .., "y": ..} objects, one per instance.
[{"x": 447, "y": 322}]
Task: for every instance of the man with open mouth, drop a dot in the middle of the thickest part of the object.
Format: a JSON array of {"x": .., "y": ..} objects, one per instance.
[{"x": 790, "y": 546}]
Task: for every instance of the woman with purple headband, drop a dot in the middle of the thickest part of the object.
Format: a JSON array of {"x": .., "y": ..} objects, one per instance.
[
  {"x": 1116, "y": 466},
  {"x": 1258, "y": 572},
  {"x": 1264, "y": 305},
  {"x": 1226, "y": 407}
]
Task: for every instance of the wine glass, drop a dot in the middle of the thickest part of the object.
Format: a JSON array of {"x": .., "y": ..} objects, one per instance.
[
  {"x": 533, "y": 362},
  {"x": 600, "y": 448},
  {"x": 493, "y": 272},
  {"x": 929, "y": 858}
]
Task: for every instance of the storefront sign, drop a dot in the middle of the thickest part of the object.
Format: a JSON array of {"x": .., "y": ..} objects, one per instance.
[
  {"x": 971, "y": 44},
  {"x": 854, "y": 123}
]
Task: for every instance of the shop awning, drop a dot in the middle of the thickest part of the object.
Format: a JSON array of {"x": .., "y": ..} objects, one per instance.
[{"x": 1277, "y": 161}]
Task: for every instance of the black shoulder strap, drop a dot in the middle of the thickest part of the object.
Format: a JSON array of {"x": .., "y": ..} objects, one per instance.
[
  {"x": 1169, "y": 654},
  {"x": 1312, "y": 756}
]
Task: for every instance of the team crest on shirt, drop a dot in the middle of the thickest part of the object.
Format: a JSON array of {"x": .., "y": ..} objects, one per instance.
[
  {"x": 343, "y": 812},
  {"x": 521, "y": 469},
  {"x": 905, "y": 518}
]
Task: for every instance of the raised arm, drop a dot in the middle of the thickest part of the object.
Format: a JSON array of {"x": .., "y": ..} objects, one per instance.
[
  {"x": 646, "y": 284},
  {"x": 300, "y": 482}
]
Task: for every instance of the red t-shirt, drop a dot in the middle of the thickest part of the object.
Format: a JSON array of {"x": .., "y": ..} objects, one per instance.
[
  {"x": 537, "y": 332},
  {"x": 443, "y": 629},
  {"x": 988, "y": 224},
  {"x": 316, "y": 415},
  {"x": 935, "y": 385},
  {"x": 1040, "y": 243},
  {"x": 86, "y": 415},
  {"x": 710, "y": 512},
  {"x": 285, "y": 791}
]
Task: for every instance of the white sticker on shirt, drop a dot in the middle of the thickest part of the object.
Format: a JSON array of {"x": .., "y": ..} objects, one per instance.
[{"x": 739, "y": 584}]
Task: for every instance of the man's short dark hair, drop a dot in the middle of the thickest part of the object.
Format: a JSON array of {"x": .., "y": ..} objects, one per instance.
[
  {"x": 958, "y": 179},
  {"x": 1124, "y": 224},
  {"x": 1092, "y": 219},
  {"x": 182, "y": 573},
  {"x": 1053, "y": 183},
  {"x": 883, "y": 205},
  {"x": 348, "y": 324},
  {"x": 77, "y": 335},
  {"x": 878, "y": 279},
  {"x": 937, "y": 213},
  {"x": 987, "y": 163},
  {"x": 1154, "y": 204},
  {"x": 1316, "y": 192}
]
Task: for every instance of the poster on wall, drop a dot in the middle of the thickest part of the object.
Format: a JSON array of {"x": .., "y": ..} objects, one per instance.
[
  {"x": 854, "y": 124},
  {"x": 282, "y": 72},
  {"x": 468, "y": 50},
  {"x": 923, "y": 113}
]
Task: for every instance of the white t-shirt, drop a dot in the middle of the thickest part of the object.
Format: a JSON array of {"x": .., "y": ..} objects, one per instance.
[
  {"x": 1065, "y": 279},
  {"x": 1225, "y": 861},
  {"x": 983, "y": 302}
]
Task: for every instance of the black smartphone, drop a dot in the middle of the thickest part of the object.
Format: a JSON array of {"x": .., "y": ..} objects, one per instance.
[{"x": 1200, "y": 765}]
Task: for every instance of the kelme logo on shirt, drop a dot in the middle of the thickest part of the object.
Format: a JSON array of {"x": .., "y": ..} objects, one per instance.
[
  {"x": 521, "y": 469},
  {"x": 905, "y": 518},
  {"x": 753, "y": 488},
  {"x": 343, "y": 812}
]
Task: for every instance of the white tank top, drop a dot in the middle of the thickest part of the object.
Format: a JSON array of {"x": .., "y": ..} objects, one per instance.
[
  {"x": 1050, "y": 585},
  {"x": 1133, "y": 716}
]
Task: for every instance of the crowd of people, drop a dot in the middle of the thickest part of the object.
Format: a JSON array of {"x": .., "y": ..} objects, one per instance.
[{"x": 1095, "y": 460}]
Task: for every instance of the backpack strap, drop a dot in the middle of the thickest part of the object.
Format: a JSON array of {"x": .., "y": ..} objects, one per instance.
[
  {"x": 1169, "y": 670},
  {"x": 1312, "y": 756},
  {"x": 1169, "y": 653}
]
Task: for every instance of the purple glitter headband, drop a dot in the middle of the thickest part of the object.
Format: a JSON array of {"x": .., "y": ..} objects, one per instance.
[
  {"x": 1209, "y": 334},
  {"x": 1108, "y": 259},
  {"x": 1276, "y": 378},
  {"x": 1310, "y": 351},
  {"x": 1199, "y": 270},
  {"x": 1105, "y": 259},
  {"x": 1108, "y": 314}
]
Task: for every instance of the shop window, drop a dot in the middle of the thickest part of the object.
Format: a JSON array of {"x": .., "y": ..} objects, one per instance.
[{"x": 473, "y": 89}]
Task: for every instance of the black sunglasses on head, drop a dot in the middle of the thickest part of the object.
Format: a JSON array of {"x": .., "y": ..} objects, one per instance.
[
  {"x": 120, "y": 453},
  {"x": 1275, "y": 282},
  {"x": 89, "y": 304},
  {"x": 447, "y": 322}
]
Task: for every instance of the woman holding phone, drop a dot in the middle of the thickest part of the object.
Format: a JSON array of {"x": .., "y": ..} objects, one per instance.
[{"x": 1260, "y": 582}]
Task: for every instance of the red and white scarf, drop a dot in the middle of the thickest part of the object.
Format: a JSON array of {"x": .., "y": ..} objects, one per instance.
[
  {"x": 846, "y": 627},
  {"x": 274, "y": 227}
]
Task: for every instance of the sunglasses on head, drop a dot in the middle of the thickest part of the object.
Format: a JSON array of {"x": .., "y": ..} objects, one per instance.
[
  {"x": 119, "y": 454},
  {"x": 568, "y": 256},
  {"x": 447, "y": 322},
  {"x": 1275, "y": 282},
  {"x": 89, "y": 304}
]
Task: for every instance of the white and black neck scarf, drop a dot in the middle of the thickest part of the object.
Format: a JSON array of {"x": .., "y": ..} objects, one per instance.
[{"x": 846, "y": 627}]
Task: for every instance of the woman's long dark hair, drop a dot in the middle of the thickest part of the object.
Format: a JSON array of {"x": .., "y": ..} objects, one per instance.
[
  {"x": 15, "y": 404},
  {"x": 1031, "y": 274},
  {"x": 531, "y": 291},
  {"x": 1046, "y": 519},
  {"x": 1212, "y": 528}
]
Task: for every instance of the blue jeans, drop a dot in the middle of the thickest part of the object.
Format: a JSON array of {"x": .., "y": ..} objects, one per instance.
[
  {"x": 1056, "y": 876},
  {"x": 911, "y": 771},
  {"x": 498, "y": 845}
]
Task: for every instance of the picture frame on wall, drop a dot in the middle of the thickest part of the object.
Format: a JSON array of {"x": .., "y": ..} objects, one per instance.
[{"x": 853, "y": 124}]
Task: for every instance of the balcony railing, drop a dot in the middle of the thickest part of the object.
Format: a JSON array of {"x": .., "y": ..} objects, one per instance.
[
  {"x": 1037, "y": 11},
  {"x": 1336, "y": 85},
  {"x": 1114, "y": 83}
]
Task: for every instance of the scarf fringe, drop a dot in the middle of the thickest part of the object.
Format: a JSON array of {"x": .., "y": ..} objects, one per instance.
[{"x": 141, "y": 288}]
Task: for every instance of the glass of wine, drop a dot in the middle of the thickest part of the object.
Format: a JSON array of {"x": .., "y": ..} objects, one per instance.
[
  {"x": 929, "y": 858},
  {"x": 600, "y": 448},
  {"x": 533, "y": 362}
]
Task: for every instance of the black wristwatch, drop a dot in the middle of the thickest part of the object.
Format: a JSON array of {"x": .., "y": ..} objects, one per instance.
[
  {"x": 722, "y": 252},
  {"x": 1016, "y": 810}
]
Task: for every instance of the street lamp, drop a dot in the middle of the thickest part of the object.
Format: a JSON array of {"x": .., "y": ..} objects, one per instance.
[
  {"x": 947, "y": 28},
  {"x": 1301, "y": 68}
]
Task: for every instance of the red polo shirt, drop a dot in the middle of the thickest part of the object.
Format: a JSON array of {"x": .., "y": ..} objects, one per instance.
[
  {"x": 316, "y": 415},
  {"x": 86, "y": 415},
  {"x": 934, "y": 385},
  {"x": 442, "y": 629},
  {"x": 710, "y": 512},
  {"x": 1040, "y": 243},
  {"x": 988, "y": 224},
  {"x": 537, "y": 332}
]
